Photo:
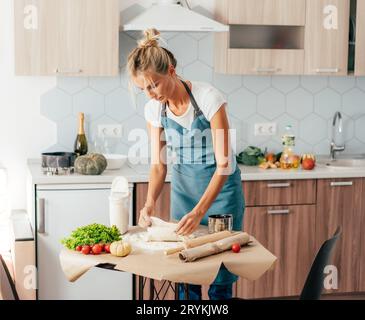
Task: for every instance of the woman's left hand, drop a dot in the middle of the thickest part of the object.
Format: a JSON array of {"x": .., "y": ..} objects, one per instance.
[{"x": 189, "y": 223}]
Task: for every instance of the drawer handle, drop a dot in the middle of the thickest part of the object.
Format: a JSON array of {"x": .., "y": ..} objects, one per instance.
[
  {"x": 327, "y": 70},
  {"x": 272, "y": 70},
  {"x": 278, "y": 185},
  {"x": 278, "y": 212},
  {"x": 58, "y": 71},
  {"x": 341, "y": 184},
  {"x": 41, "y": 216}
]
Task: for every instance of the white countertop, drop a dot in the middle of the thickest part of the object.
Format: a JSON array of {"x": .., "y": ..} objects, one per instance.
[{"x": 140, "y": 173}]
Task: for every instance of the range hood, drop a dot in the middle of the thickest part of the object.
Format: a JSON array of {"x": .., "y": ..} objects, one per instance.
[{"x": 170, "y": 15}]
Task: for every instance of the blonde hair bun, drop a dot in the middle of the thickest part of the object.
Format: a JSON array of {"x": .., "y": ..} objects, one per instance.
[
  {"x": 150, "y": 56},
  {"x": 151, "y": 38}
]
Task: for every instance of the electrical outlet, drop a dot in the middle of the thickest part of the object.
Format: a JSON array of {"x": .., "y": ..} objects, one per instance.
[
  {"x": 265, "y": 129},
  {"x": 110, "y": 130}
]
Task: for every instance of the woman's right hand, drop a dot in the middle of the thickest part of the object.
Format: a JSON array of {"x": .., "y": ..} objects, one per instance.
[{"x": 145, "y": 217}]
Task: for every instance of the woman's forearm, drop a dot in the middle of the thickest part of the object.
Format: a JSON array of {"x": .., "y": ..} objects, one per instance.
[
  {"x": 214, "y": 188},
  {"x": 156, "y": 183}
]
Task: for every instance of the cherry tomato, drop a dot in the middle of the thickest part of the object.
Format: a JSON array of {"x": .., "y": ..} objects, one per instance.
[
  {"x": 107, "y": 247},
  {"x": 78, "y": 248},
  {"x": 236, "y": 247},
  {"x": 96, "y": 249},
  {"x": 86, "y": 249}
]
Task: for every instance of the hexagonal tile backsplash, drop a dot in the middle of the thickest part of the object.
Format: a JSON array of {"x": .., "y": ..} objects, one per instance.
[{"x": 307, "y": 103}]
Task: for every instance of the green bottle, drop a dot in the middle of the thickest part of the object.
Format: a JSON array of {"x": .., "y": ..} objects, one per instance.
[{"x": 80, "y": 147}]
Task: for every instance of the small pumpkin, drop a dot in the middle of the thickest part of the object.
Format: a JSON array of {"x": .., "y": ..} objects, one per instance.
[
  {"x": 91, "y": 164},
  {"x": 120, "y": 248}
]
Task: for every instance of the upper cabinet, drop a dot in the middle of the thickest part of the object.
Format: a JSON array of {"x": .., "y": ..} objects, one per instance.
[
  {"x": 292, "y": 37},
  {"x": 327, "y": 36},
  {"x": 66, "y": 37},
  {"x": 267, "y": 12},
  {"x": 265, "y": 37},
  {"x": 360, "y": 39}
]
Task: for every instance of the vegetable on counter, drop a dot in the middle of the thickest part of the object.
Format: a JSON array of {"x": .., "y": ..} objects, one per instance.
[
  {"x": 86, "y": 249},
  {"x": 90, "y": 235},
  {"x": 236, "y": 247},
  {"x": 251, "y": 156},
  {"x": 91, "y": 164},
  {"x": 308, "y": 164},
  {"x": 120, "y": 248}
]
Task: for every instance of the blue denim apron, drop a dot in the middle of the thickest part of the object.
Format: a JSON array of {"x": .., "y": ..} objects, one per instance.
[{"x": 193, "y": 171}]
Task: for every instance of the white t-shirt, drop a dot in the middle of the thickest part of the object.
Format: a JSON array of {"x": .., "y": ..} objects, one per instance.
[{"x": 208, "y": 98}]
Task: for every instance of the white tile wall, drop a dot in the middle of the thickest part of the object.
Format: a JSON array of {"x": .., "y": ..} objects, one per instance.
[{"x": 307, "y": 102}]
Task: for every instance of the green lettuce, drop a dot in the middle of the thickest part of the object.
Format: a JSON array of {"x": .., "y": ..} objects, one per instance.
[{"x": 91, "y": 234}]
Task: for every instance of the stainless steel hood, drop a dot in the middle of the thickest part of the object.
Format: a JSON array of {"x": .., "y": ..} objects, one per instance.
[{"x": 170, "y": 15}]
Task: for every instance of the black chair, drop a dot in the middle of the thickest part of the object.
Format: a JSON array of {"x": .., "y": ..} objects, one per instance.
[
  {"x": 7, "y": 287},
  {"x": 313, "y": 285}
]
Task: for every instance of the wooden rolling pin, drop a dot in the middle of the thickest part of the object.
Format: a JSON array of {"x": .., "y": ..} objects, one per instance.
[{"x": 201, "y": 240}]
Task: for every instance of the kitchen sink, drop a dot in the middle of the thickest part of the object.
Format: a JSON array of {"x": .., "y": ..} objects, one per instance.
[{"x": 345, "y": 161}]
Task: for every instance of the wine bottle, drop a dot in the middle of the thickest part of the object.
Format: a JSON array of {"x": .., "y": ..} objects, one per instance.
[{"x": 80, "y": 147}]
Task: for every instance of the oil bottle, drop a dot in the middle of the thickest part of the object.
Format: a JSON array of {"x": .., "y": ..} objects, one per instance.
[{"x": 288, "y": 159}]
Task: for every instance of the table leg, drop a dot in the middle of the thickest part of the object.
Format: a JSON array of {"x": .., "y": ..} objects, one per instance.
[
  {"x": 176, "y": 291},
  {"x": 152, "y": 289},
  {"x": 140, "y": 288},
  {"x": 186, "y": 291}
]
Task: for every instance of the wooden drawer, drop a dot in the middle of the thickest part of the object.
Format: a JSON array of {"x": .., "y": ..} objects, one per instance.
[
  {"x": 267, "y": 12},
  {"x": 265, "y": 61},
  {"x": 279, "y": 192}
]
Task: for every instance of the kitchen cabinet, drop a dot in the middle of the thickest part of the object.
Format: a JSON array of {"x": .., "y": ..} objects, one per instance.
[
  {"x": 289, "y": 233},
  {"x": 281, "y": 215},
  {"x": 362, "y": 241},
  {"x": 265, "y": 37},
  {"x": 267, "y": 12},
  {"x": 339, "y": 203},
  {"x": 60, "y": 210},
  {"x": 66, "y": 37},
  {"x": 292, "y": 218},
  {"x": 360, "y": 39},
  {"x": 326, "y": 37}
]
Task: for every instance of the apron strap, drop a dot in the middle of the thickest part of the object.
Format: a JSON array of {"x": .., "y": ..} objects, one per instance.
[{"x": 197, "y": 111}]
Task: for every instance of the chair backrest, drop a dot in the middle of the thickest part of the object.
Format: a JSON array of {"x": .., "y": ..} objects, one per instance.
[
  {"x": 313, "y": 286},
  {"x": 7, "y": 287}
]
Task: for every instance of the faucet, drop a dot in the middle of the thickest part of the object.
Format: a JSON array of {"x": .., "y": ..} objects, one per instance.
[{"x": 335, "y": 148}]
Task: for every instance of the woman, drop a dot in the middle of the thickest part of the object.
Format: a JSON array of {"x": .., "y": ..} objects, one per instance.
[{"x": 192, "y": 117}]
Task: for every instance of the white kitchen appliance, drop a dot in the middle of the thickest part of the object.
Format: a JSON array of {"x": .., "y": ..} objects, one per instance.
[
  {"x": 60, "y": 210},
  {"x": 170, "y": 15}
]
